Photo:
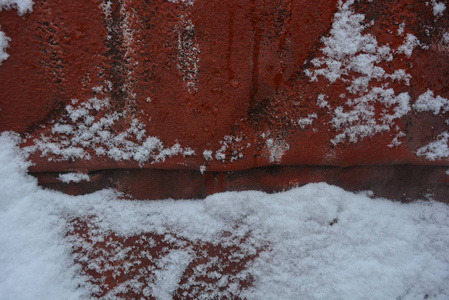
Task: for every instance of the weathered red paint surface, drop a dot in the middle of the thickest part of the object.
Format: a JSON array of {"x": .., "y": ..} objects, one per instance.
[
  {"x": 195, "y": 74},
  {"x": 229, "y": 77}
]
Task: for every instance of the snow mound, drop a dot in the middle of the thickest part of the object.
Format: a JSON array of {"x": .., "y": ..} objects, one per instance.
[{"x": 317, "y": 241}]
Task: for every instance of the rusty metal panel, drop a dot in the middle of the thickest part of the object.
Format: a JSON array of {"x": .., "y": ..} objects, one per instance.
[{"x": 204, "y": 86}]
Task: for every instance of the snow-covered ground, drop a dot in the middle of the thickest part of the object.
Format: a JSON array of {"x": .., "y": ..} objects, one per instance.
[{"x": 314, "y": 242}]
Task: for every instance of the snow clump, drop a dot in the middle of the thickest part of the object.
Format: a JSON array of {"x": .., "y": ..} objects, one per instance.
[{"x": 73, "y": 177}]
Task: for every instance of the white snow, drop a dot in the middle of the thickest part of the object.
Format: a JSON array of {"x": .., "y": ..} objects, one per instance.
[
  {"x": 315, "y": 242},
  {"x": 230, "y": 150},
  {"x": 401, "y": 28},
  {"x": 437, "y": 149},
  {"x": 438, "y": 8},
  {"x": 4, "y": 44},
  {"x": 409, "y": 45},
  {"x": 34, "y": 258},
  {"x": 396, "y": 142},
  {"x": 22, "y": 6},
  {"x": 438, "y": 105},
  {"x": 348, "y": 49},
  {"x": 321, "y": 102},
  {"x": 73, "y": 177},
  {"x": 188, "y": 2},
  {"x": 304, "y": 122},
  {"x": 88, "y": 125},
  {"x": 354, "y": 57},
  {"x": 208, "y": 155},
  {"x": 172, "y": 268},
  {"x": 361, "y": 121},
  {"x": 428, "y": 102},
  {"x": 276, "y": 147}
]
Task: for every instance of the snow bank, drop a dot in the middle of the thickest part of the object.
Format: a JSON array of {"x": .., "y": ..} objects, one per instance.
[
  {"x": 34, "y": 259},
  {"x": 318, "y": 241}
]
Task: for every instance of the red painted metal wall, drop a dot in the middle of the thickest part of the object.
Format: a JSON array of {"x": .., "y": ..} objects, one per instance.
[{"x": 206, "y": 96}]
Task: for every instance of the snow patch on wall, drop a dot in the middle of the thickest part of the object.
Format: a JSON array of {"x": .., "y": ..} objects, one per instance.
[
  {"x": 438, "y": 8},
  {"x": 409, "y": 45},
  {"x": 348, "y": 49},
  {"x": 401, "y": 28},
  {"x": 321, "y": 102},
  {"x": 4, "y": 44},
  {"x": 361, "y": 121},
  {"x": 23, "y": 7},
  {"x": 396, "y": 142},
  {"x": 276, "y": 148},
  {"x": 439, "y": 148},
  {"x": 351, "y": 56},
  {"x": 87, "y": 128},
  {"x": 208, "y": 155},
  {"x": 428, "y": 102},
  {"x": 231, "y": 148},
  {"x": 304, "y": 122}
]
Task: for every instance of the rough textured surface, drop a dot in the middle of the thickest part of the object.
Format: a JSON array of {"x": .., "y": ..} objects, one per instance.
[{"x": 227, "y": 87}]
